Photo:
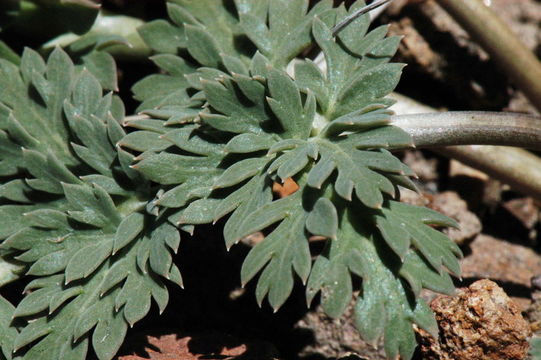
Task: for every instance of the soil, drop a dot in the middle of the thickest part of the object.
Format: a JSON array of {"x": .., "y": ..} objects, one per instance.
[{"x": 214, "y": 318}]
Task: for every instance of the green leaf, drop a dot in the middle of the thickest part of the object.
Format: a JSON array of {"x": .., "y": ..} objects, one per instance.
[
  {"x": 198, "y": 212},
  {"x": 144, "y": 141},
  {"x": 88, "y": 259},
  {"x": 8, "y": 54},
  {"x": 102, "y": 66},
  {"x": 228, "y": 122},
  {"x": 127, "y": 230},
  {"x": 352, "y": 175},
  {"x": 349, "y": 75},
  {"x": 281, "y": 252},
  {"x": 411, "y": 223},
  {"x": 372, "y": 116},
  {"x": 202, "y": 46},
  {"x": 287, "y": 32},
  {"x": 40, "y": 116},
  {"x": 213, "y": 16},
  {"x": 242, "y": 202},
  {"x": 82, "y": 293},
  {"x": 323, "y": 220},
  {"x": 285, "y": 102},
  {"x": 535, "y": 348},
  {"x": 166, "y": 168},
  {"x": 157, "y": 91},
  {"x": 10, "y": 269},
  {"x": 15, "y": 190},
  {"x": 238, "y": 118},
  {"x": 293, "y": 161},
  {"x": 240, "y": 171},
  {"x": 8, "y": 334},
  {"x": 163, "y": 37},
  {"x": 247, "y": 143},
  {"x": 191, "y": 140}
]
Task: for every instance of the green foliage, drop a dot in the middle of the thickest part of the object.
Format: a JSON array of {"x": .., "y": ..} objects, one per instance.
[
  {"x": 225, "y": 124},
  {"x": 76, "y": 214},
  {"x": 535, "y": 348},
  {"x": 93, "y": 213},
  {"x": 8, "y": 334}
]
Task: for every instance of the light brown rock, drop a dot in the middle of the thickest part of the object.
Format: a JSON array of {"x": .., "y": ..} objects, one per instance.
[
  {"x": 449, "y": 203},
  {"x": 480, "y": 322},
  {"x": 502, "y": 261}
]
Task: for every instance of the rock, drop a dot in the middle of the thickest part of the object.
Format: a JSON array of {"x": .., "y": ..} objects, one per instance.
[
  {"x": 479, "y": 190},
  {"x": 523, "y": 17},
  {"x": 449, "y": 203},
  {"x": 505, "y": 262},
  {"x": 533, "y": 313},
  {"x": 526, "y": 211},
  {"x": 335, "y": 338},
  {"x": 414, "y": 198},
  {"x": 425, "y": 168},
  {"x": 205, "y": 346},
  {"x": 480, "y": 322}
]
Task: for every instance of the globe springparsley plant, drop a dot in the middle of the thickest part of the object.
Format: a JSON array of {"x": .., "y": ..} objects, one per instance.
[{"x": 94, "y": 203}]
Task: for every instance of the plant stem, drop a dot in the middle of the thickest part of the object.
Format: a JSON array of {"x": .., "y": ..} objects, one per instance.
[
  {"x": 519, "y": 169},
  {"x": 472, "y": 127},
  {"x": 123, "y": 26},
  {"x": 351, "y": 18},
  {"x": 517, "y": 61},
  {"x": 516, "y": 167}
]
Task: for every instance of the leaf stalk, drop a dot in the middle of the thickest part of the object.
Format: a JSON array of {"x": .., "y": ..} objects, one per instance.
[
  {"x": 471, "y": 127},
  {"x": 348, "y": 20}
]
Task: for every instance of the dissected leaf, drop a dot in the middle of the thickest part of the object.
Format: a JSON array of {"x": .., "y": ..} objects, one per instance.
[
  {"x": 93, "y": 212},
  {"x": 8, "y": 333},
  {"x": 236, "y": 122},
  {"x": 76, "y": 219}
]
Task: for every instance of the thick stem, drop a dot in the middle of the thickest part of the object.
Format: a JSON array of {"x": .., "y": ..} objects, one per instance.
[
  {"x": 125, "y": 27},
  {"x": 516, "y": 167},
  {"x": 471, "y": 127},
  {"x": 517, "y": 61}
]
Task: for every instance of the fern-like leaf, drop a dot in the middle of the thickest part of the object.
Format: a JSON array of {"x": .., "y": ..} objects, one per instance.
[
  {"x": 227, "y": 125},
  {"x": 98, "y": 257},
  {"x": 280, "y": 29},
  {"x": 8, "y": 333}
]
